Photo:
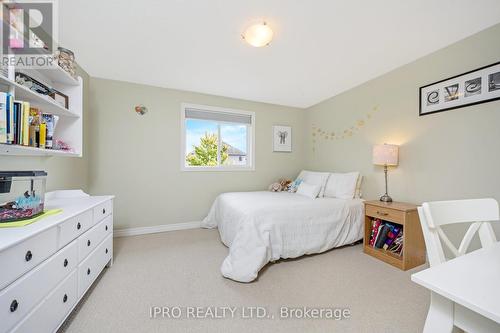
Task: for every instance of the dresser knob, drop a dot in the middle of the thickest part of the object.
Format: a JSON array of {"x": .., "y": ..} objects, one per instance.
[
  {"x": 106, "y": 251},
  {"x": 106, "y": 228},
  {"x": 104, "y": 210},
  {"x": 78, "y": 226},
  {"x": 382, "y": 213},
  {"x": 28, "y": 256},
  {"x": 88, "y": 271},
  {"x": 65, "y": 298},
  {"x": 88, "y": 242},
  {"x": 65, "y": 262},
  {"x": 13, "y": 306}
]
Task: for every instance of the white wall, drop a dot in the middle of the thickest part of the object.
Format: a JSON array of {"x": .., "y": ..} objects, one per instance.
[
  {"x": 137, "y": 158},
  {"x": 449, "y": 155}
]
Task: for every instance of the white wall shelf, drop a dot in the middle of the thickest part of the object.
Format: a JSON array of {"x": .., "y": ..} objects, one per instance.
[
  {"x": 57, "y": 74},
  {"x": 70, "y": 124},
  {"x": 17, "y": 150},
  {"x": 42, "y": 102}
]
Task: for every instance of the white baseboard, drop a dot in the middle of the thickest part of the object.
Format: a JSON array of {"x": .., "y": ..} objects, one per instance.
[{"x": 156, "y": 229}]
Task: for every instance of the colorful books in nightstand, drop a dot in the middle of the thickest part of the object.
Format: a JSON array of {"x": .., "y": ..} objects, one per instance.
[
  {"x": 402, "y": 235},
  {"x": 386, "y": 235}
]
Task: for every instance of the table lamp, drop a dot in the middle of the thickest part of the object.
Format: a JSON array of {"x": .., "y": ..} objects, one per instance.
[{"x": 386, "y": 155}]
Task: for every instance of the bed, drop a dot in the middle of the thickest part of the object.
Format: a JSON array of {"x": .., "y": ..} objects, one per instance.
[{"x": 261, "y": 227}]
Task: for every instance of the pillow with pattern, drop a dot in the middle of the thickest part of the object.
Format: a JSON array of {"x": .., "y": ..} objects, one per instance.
[{"x": 295, "y": 185}]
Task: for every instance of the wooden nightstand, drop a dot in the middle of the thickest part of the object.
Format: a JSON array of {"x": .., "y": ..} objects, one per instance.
[{"x": 404, "y": 214}]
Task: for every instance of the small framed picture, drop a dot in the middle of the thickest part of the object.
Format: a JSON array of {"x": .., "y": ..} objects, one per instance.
[
  {"x": 478, "y": 86},
  {"x": 60, "y": 98},
  {"x": 282, "y": 139}
]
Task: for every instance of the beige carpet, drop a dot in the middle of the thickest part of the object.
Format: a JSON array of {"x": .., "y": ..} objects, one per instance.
[{"x": 181, "y": 269}]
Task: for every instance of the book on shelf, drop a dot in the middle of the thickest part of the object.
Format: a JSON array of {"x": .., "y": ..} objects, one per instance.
[
  {"x": 397, "y": 246},
  {"x": 382, "y": 236},
  {"x": 375, "y": 227},
  {"x": 26, "y": 124},
  {"x": 391, "y": 236},
  {"x": 3, "y": 117},
  {"x": 21, "y": 124},
  {"x": 42, "y": 135},
  {"x": 387, "y": 236},
  {"x": 17, "y": 122},
  {"x": 376, "y": 234},
  {"x": 372, "y": 230},
  {"x": 10, "y": 118}
]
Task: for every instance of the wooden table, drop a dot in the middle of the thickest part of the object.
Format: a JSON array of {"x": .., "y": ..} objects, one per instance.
[{"x": 465, "y": 292}]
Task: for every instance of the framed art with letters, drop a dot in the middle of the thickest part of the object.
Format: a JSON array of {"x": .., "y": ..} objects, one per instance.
[{"x": 478, "y": 86}]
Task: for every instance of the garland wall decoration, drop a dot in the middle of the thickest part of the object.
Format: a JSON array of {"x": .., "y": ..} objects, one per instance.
[{"x": 318, "y": 133}]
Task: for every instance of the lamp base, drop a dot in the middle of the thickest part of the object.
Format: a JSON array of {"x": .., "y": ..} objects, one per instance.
[{"x": 386, "y": 198}]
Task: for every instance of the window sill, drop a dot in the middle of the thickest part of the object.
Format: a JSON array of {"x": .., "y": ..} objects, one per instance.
[{"x": 217, "y": 169}]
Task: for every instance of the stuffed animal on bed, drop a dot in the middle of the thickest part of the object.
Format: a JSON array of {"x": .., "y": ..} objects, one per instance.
[
  {"x": 275, "y": 187},
  {"x": 282, "y": 185}
]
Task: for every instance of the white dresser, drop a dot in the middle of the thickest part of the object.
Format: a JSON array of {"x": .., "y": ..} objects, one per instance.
[{"x": 46, "y": 267}]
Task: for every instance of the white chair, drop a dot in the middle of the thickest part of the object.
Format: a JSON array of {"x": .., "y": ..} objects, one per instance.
[{"x": 433, "y": 215}]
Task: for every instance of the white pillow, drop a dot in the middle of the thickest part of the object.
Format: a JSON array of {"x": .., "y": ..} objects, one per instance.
[
  {"x": 341, "y": 185},
  {"x": 309, "y": 190},
  {"x": 316, "y": 178},
  {"x": 358, "y": 194}
]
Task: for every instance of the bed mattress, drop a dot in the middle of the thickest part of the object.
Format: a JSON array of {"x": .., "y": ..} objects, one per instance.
[{"x": 259, "y": 227}]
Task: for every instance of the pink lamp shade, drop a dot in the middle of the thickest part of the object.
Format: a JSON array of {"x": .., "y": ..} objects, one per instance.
[{"x": 385, "y": 155}]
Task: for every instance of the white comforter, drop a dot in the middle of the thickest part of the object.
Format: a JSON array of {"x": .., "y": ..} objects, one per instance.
[{"x": 259, "y": 227}]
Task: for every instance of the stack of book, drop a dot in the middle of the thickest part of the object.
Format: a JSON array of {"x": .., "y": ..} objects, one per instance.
[
  {"x": 21, "y": 124},
  {"x": 386, "y": 235}
]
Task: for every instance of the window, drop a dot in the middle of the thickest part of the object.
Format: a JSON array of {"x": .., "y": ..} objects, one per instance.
[{"x": 215, "y": 139}]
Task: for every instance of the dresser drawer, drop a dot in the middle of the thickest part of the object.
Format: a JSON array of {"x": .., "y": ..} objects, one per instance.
[
  {"x": 49, "y": 314},
  {"x": 89, "y": 240},
  {"x": 20, "y": 258},
  {"x": 103, "y": 210},
  {"x": 388, "y": 214},
  {"x": 92, "y": 266},
  {"x": 21, "y": 296},
  {"x": 74, "y": 227}
]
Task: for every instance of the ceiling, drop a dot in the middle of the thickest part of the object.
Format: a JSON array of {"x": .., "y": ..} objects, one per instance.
[{"x": 321, "y": 47}]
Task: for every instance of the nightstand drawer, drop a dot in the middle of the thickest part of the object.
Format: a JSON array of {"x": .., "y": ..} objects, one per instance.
[{"x": 387, "y": 214}]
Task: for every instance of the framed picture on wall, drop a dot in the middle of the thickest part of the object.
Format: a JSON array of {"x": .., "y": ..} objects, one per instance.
[
  {"x": 478, "y": 86},
  {"x": 282, "y": 138}
]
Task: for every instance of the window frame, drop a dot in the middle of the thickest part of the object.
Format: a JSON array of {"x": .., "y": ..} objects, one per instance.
[{"x": 250, "y": 139}]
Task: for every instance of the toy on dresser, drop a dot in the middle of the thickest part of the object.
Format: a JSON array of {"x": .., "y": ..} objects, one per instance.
[{"x": 22, "y": 194}]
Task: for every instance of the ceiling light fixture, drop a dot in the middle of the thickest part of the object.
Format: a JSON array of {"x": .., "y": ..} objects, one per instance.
[{"x": 258, "y": 35}]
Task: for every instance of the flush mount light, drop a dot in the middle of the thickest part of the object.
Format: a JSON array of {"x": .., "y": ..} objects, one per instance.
[{"x": 258, "y": 35}]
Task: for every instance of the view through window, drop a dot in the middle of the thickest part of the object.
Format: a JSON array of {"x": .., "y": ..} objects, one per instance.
[{"x": 217, "y": 139}]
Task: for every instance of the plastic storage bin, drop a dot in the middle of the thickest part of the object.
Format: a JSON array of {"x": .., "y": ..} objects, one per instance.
[{"x": 22, "y": 194}]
